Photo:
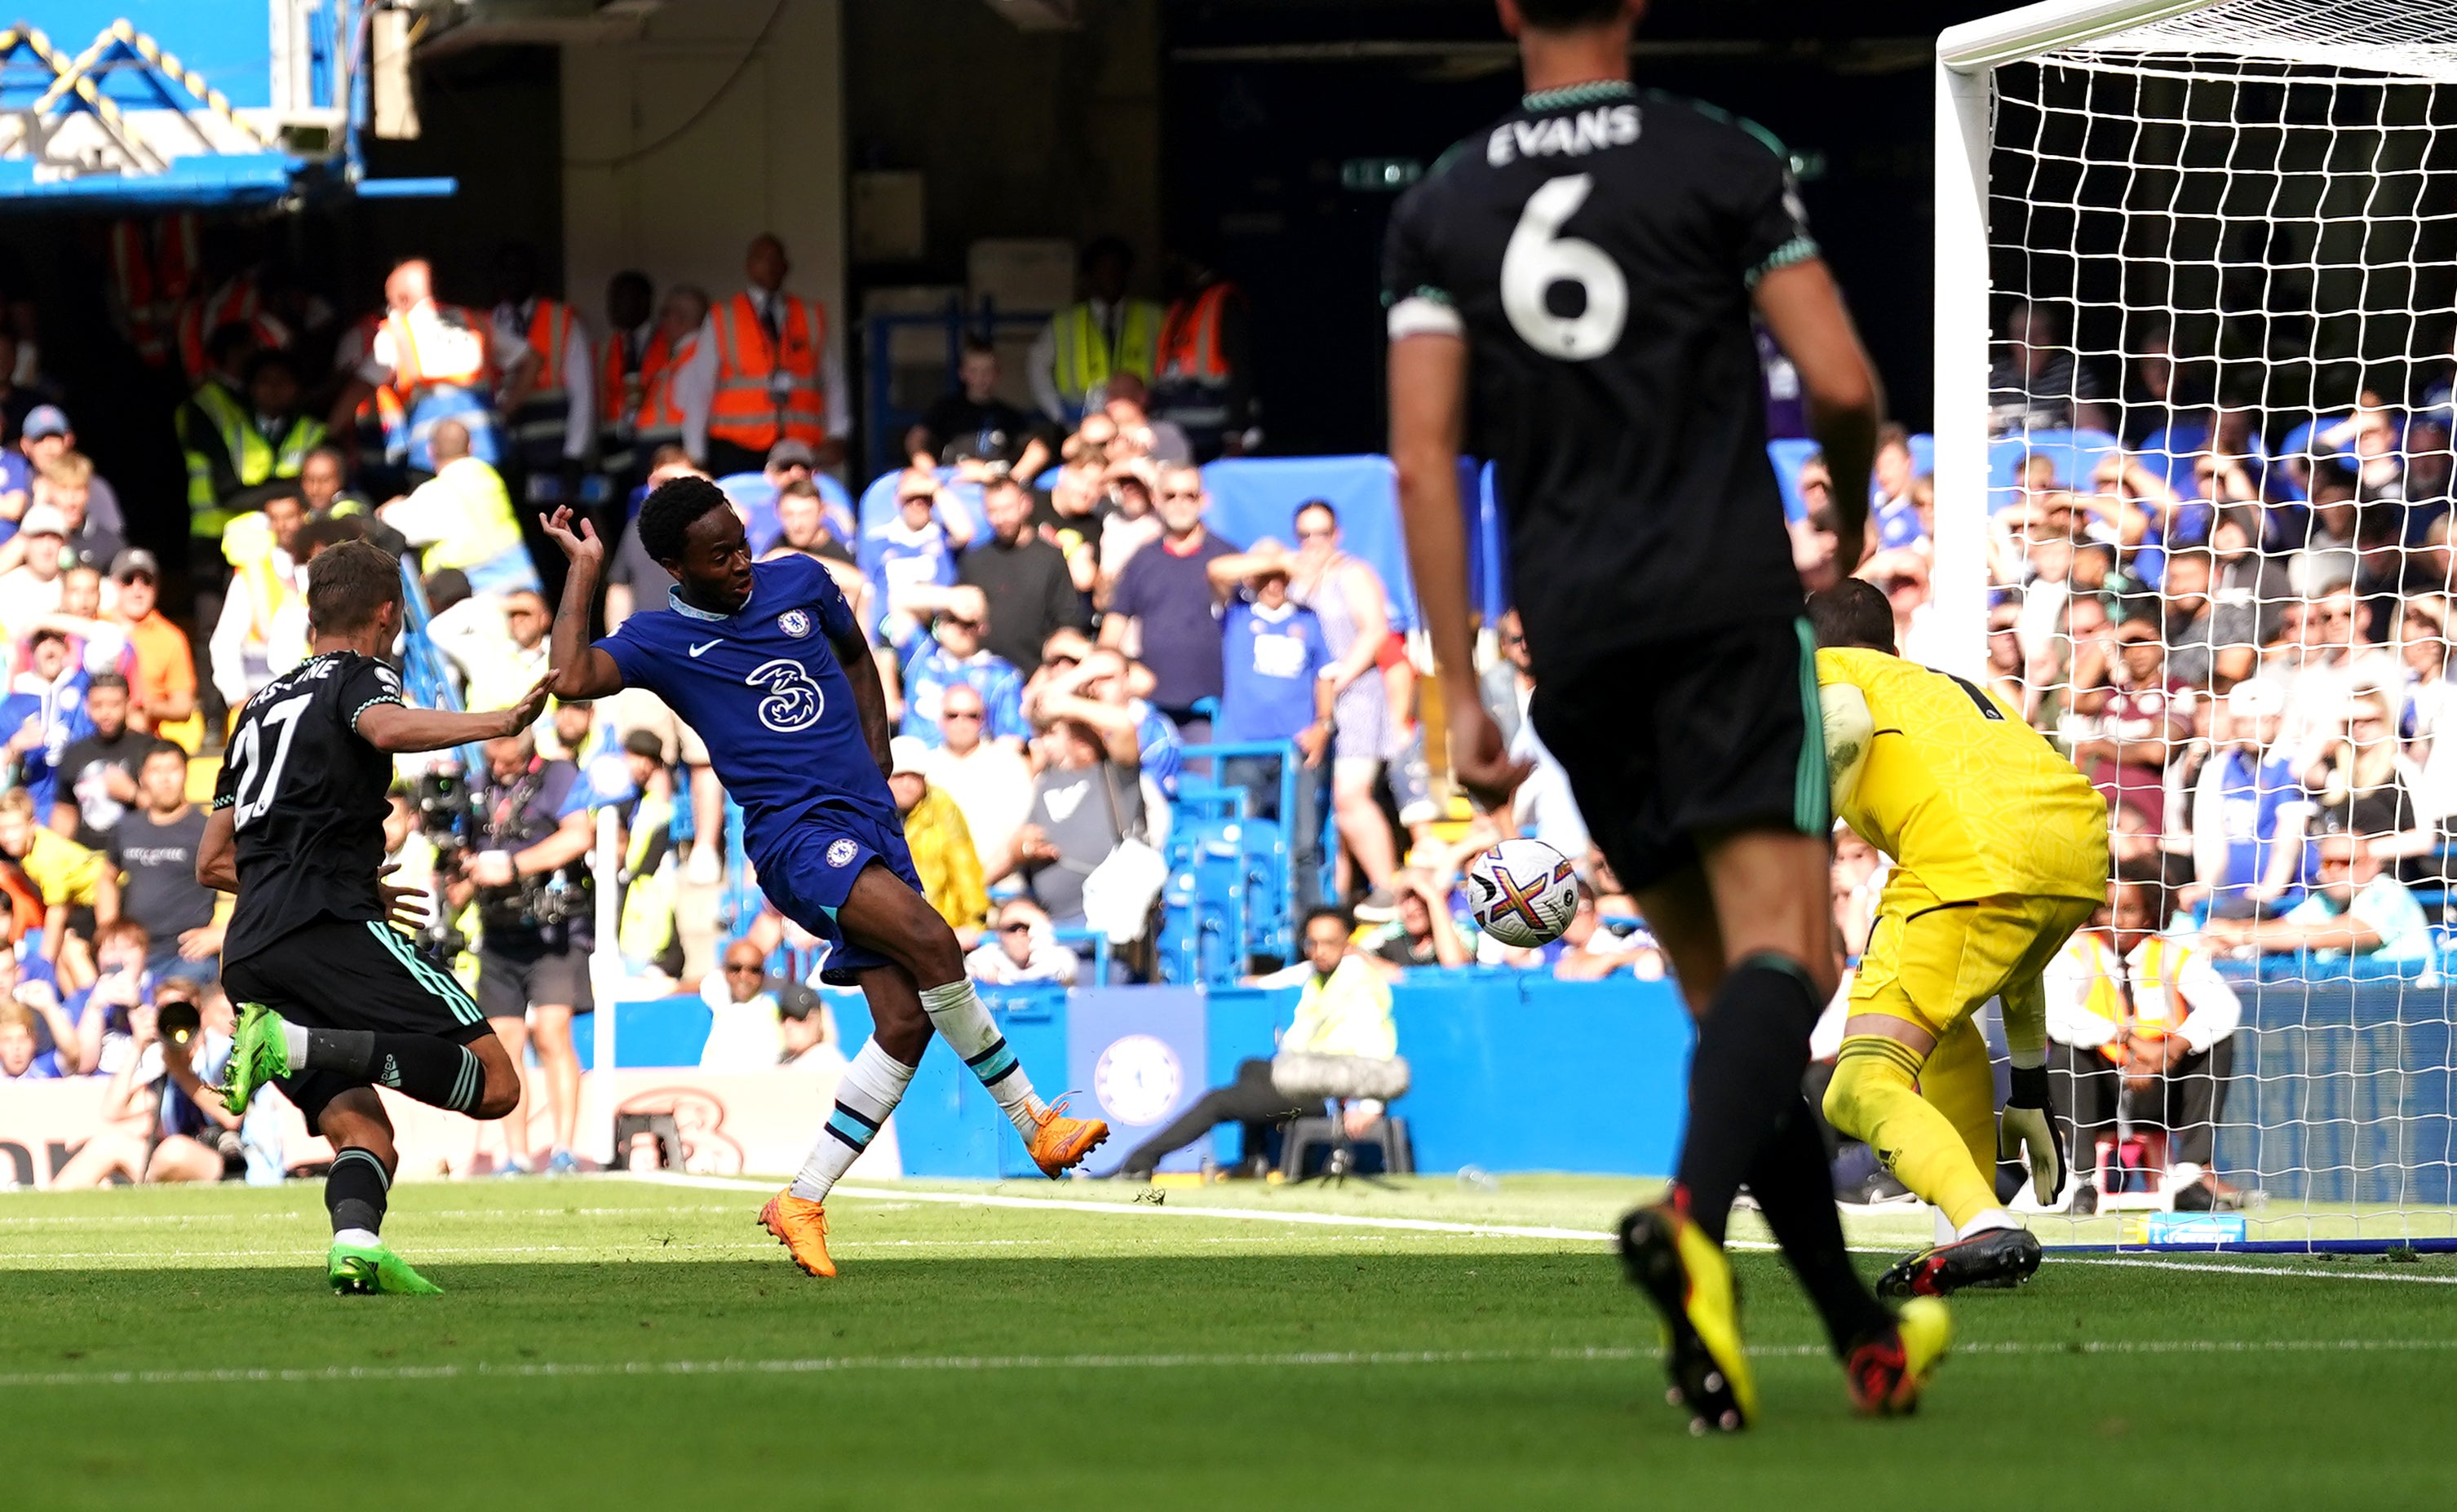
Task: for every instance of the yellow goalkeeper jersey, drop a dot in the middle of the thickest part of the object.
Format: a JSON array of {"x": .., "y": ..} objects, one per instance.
[{"x": 1963, "y": 794}]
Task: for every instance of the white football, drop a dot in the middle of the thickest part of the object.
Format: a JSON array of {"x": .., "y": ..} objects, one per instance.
[{"x": 1523, "y": 892}]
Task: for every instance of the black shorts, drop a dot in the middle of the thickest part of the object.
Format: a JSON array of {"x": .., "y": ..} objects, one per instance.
[
  {"x": 1718, "y": 731},
  {"x": 512, "y": 976},
  {"x": 351, "y": 973}
]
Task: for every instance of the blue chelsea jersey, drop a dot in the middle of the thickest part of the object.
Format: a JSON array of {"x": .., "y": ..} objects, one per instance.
[{"x": 763, "y": 689}]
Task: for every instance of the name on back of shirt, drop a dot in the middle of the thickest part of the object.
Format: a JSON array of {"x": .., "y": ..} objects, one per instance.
[{"x": 1562, "y": 135}]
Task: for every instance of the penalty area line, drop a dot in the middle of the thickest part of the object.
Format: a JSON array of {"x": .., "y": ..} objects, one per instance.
[{"x": 529, "y": 1370}]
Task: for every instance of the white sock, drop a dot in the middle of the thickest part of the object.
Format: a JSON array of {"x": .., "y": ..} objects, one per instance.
[
  {"x": 957, "y": 1012},
  {"x": 871, "y": 1088},
  {"x": 294, "y": 1045},
  {"x": 363, "y": 1238},
  {"x": 1993, "y": 1218}
]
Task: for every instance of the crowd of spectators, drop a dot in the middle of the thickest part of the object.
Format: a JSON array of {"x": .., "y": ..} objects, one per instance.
[{"x": 2234, "y": 619}]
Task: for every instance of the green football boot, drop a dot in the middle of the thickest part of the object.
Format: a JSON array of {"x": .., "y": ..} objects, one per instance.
[
  {"x": 358, "y": 1270},
  {"x": 257, "y": 1055}
]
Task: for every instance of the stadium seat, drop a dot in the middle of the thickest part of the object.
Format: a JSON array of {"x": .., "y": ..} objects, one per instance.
[{"x": 2076, "y": 454}]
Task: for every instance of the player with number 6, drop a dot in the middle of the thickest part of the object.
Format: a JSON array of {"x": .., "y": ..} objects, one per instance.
[{"x": 768, "y": 662}]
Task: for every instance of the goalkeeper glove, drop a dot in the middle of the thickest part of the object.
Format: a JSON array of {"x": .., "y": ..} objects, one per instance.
[{"x": 2028, "y": 1132}]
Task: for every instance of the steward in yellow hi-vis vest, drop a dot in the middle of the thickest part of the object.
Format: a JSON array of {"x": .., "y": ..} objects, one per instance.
[{"x": 2000, "y": 852}]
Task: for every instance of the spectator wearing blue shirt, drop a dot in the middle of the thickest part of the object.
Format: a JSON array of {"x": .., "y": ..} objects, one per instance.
[
  {"x": 1895, "y": 514},
  {"x": 1276, "y": 672},
  {"x": 755, "y": 494},
  {"x": 594, "y": 746},
  {"x": 917, "y": 548},
  {"x": 44, "y": 713},
  {"x": 18, "y": 1059},
  {"x": 2249, "y": 814},
  {"x": 950, "y": 652}
]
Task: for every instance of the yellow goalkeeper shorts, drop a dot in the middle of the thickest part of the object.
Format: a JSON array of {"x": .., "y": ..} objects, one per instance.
[{"x": 1934, "y": 964}]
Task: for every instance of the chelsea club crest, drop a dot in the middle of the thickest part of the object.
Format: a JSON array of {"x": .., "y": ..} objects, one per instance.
[
  {"x": 793, "y": 622},
  {"x": 842, "y": 852}
]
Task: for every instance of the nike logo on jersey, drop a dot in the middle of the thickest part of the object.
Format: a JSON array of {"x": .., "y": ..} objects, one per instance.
[{"x": 697, "y": 649}]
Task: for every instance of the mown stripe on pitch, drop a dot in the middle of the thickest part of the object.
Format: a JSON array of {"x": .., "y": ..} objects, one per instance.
[{"x": 1605, "y": 1353}]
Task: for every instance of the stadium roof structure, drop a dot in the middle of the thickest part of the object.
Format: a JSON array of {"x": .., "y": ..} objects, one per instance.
[{"x": 124, "y": 123}]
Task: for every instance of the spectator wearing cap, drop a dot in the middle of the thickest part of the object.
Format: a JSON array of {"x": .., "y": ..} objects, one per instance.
[
  {"x": 970, "y": 420},
  {"x": 1022, "y": 949},
  {"x": 1160, "y": 612},
  {"x": 917, "y": 549},
  {"x": 941, "y": 844},
  {"x": 2250, "y": 813},
  {"x": 66, "y": 484},
  {"x": 949, "y": 652},
  {"x": 162, "y": 691},
  {"x": 1276, "y": 685},
  {"x": 31, "y": 588},
  {"x": 48, "y": 438},
  {"x": 990, "y": 780},
  {"x": 1024, "y": 580}
]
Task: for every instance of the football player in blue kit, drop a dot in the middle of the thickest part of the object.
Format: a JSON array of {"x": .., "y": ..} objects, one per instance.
[{"x": 768, "y": 662}]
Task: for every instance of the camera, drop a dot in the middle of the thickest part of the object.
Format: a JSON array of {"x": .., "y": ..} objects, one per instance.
[
  {"x": 444, "y": 811},
  {"x": 179, "y": 1021}
]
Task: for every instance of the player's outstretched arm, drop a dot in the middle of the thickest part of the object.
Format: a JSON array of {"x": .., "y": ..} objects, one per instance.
[
  {"x": 582, "y": 671},
  {"x": 1804, "y": 313},
  {"x": 396, "y": 728},
  {"x": 1428, "y": 416}
]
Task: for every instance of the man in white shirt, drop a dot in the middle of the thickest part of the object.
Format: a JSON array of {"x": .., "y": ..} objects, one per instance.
[
  {"x": 31, "y": 589},
  {"x": 990, "y": 780}
]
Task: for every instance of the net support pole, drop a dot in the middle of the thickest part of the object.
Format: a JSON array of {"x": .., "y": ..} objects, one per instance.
[
  {"x": 606, "y": 976},
  {"x": 1960, "y": 577}
]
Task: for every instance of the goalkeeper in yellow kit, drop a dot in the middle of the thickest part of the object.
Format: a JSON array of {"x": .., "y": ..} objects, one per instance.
[{"x": 2000, "y": 854}]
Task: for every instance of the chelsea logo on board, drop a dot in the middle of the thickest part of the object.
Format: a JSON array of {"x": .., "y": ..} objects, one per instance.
[{"x": 793, "y": 622}]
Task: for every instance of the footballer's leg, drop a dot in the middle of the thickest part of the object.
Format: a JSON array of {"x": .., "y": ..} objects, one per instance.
[
  {"x": 888, "y": 915},
  {"x": 355, "y": 1191},
  {"x": 873, "y": 1084},
  {"x": 1927, "y": 971},
  {"x": 382, "y": 1014}
]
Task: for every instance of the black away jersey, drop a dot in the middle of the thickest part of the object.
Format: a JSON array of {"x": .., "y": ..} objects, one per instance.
[
  {"x": 307, "y": 798},
  {"x": 1596, "y": 250}
]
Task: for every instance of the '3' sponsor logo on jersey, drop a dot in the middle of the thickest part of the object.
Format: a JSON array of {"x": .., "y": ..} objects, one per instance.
[{"x": 794, "y": 702}]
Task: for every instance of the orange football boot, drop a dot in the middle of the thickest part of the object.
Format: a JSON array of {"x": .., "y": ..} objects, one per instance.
[
  {"x": 802, "y": 1226},
  {"x": 1061, "y": 1142}
]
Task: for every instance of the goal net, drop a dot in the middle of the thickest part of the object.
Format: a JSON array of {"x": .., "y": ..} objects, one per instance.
[{"x": 2196, "y": 270}]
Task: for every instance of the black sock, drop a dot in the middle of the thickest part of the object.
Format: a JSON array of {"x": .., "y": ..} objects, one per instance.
[
  {"x": 1743, "y": 1077},
  {"x": 1795, "y": 1190},
  {"x": 355, "y": 1189},
  {"x": 436, "y": 1072}
]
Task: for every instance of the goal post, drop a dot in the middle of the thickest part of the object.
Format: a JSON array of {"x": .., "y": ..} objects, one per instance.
[{"x": 2232, "y": 226}]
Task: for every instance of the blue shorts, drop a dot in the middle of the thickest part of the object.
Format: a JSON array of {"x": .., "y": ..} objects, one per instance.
[{"x": 808, "y": 871}]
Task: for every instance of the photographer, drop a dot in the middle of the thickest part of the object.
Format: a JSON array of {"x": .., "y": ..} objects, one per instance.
[
  {"x": 161, "y": 1120},
  {"x": 529, "y": 875}
]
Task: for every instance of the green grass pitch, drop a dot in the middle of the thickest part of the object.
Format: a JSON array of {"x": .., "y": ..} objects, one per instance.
[{"x": 608, "y": 1343}]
